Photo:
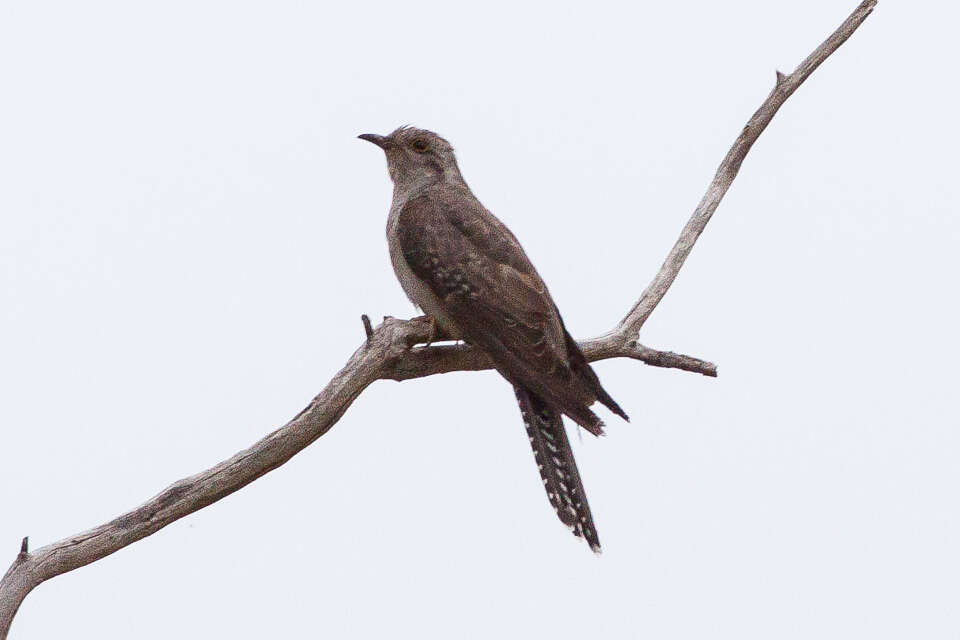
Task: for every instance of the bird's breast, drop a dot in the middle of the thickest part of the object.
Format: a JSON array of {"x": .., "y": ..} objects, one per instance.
[{"x": 415, "y": 288}]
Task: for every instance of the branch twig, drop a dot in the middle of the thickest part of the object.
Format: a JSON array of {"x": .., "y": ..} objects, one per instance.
[
  {"x": 783, "y": 89},
  {"x": 388, "y": 353},
  {"x": 427, "y": 361},
  {"x": 367, "y": 327}
]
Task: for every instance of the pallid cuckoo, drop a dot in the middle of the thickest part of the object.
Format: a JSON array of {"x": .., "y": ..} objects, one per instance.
[{"x": 471, "y": 277}]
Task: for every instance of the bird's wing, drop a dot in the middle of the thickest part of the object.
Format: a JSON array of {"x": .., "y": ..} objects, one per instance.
[{"x": 486, "y": 283}]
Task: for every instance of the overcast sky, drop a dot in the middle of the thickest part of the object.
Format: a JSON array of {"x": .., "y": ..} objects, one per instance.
[{"x": 190, "y": 230}]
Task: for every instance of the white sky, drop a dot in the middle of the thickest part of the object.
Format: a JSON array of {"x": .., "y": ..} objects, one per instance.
[{"x": 189, "y": 232}]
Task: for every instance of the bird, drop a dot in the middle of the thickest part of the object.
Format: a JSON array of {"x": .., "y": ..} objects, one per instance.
[{"x": 468, "y": 273}]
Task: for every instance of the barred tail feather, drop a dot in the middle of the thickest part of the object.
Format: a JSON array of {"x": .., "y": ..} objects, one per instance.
[{"x": 558, "y": 469}]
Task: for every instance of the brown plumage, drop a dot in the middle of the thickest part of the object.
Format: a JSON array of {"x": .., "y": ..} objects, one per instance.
[{"x": 465, "y": 269}]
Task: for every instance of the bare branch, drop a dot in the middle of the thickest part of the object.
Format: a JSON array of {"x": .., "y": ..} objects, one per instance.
[
  {"x": 185, "y": 496},
  {"x": 389, "y": 353},
  {"x": 422, "y": 362},
  {"x": 728, "y": 169}
]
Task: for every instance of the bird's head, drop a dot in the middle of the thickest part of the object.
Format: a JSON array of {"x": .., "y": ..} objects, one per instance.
[{"x": 417, "y": 155}]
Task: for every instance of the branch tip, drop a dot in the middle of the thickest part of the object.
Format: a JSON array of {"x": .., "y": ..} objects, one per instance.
[
  {"x": 780, "y": 78},
  {"x": 25, "y": 545},
  {"x": 367, "y": 326}
]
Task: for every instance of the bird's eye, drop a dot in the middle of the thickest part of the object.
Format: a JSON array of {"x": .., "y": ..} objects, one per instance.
[{"x": 419, "y": 145}]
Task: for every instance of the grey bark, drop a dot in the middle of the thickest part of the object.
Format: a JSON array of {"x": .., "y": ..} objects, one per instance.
[{"x": 389, "y": 353}]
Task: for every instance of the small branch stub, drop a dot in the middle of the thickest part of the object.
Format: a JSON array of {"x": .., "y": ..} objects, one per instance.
[
  {"x": 367, "y": 326},
  {"x": 25, "y": 546}
]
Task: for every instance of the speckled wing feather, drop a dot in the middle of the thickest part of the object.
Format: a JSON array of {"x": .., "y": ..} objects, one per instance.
[{"x": 486, "y": 283}]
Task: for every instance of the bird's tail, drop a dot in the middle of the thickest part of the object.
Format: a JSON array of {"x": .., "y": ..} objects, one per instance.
[
  {"x": 583, "y": 370},
  {"x": 558, "y": 469}
]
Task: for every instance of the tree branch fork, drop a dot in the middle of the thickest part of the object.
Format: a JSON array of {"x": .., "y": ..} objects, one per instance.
[
  {"x": 421, "y": 361},
  {"x": 391, "y": 352}
]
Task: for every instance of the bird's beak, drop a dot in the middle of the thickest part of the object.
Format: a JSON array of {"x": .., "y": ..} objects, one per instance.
[{"x": 381, "y": 141}]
